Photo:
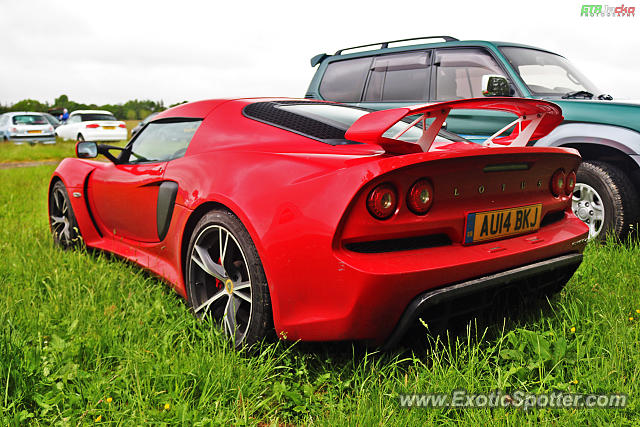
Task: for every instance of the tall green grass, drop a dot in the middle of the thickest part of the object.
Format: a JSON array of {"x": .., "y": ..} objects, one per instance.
[{"x": 86, "y": 337}]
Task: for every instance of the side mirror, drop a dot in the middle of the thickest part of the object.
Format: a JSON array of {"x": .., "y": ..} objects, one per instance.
[
  {"x": 86, "y": 149},
  {"x": 495, "y": 85}
]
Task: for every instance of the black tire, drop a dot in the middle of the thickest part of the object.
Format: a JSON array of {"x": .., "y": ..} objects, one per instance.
[
  {"x": 618, "y": 197},
  {"x": 209, "y": 292},
  {"x": 80, "y": 137},
  {"x": 62, "y": 220}
]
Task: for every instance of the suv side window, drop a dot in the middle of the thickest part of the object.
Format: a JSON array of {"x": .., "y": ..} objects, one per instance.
[
  {"x": 399, "y": 78},
  {"x": 74, "y": 119},
  {"x": 162, "y": 141},
  {"x": 343, "y": 81},
  {"x": 458, "y": 73}
]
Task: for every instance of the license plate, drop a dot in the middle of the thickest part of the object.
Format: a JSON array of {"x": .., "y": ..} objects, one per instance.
[
  {"x": 34, "y": 131},
  {"x": 108, "y": 127},
  {"x": 490, "y": 225}
]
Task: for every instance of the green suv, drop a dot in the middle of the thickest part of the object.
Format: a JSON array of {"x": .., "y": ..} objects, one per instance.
[{"x": 606, "y": 132}]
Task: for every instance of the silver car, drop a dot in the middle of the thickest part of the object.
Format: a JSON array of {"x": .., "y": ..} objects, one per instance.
[{"x": 21, "y": 127}]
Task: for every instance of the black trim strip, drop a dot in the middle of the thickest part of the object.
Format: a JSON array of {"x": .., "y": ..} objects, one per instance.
[
  {"x": 166, "y": 202},
  {"x": 85, "y": 190}
]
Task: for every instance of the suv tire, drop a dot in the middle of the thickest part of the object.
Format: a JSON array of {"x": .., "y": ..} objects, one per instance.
[{"x": 606, "y": 188}]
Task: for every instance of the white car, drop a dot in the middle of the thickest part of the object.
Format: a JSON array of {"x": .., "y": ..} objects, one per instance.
[
  {"x": 29, "y": 127},
  {"x": 92, "y": 125}
]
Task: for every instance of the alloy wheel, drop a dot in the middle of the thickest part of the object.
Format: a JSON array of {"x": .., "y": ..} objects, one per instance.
[
  {"x": 62, "y": 222},
  {"x": 220, "y": 281}
]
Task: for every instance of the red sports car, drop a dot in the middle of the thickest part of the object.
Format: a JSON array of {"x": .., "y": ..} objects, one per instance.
[{"x": 325, "y": 221}]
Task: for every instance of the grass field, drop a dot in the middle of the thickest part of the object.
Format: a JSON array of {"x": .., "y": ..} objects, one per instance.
[
  {"x": 10, "y": 152},
  {"x": 88, "y": 338}
]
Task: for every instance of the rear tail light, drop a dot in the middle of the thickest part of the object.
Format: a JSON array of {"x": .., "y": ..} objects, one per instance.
[
  {"x": 122, "y": 126},
  {"x": 93, "y": 126},
  {"x": 558, "y": 183},
  {"x": 570, "y": 184},
  {"x": 420, "y": 197},
  {"x": 382, "y": 201}
]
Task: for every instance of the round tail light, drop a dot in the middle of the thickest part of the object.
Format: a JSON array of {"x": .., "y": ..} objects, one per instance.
[
  {"x": 558, "y": 183},
  {"x": 420, "y": 197},
  {"x": 570, "y": 183},
  {"x": 382, "y": 201}
]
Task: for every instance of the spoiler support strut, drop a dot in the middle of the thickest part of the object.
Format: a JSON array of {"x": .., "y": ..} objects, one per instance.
[{"x": 535, "y": 119}]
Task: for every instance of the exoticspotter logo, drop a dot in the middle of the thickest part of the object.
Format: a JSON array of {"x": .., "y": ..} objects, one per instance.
[{"x": 606, "y": 11}]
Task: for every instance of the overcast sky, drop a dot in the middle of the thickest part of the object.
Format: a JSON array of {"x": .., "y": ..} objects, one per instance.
[{"x": 111, "y": 51}]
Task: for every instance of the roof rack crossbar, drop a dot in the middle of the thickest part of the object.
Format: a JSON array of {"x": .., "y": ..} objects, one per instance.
[{"x": 384, "y": 45}]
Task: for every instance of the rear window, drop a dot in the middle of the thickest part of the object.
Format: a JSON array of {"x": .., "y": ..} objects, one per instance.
[
  {"x": 90, "y": 117},
  {"x": 30, "y": 119},
  {"x": 324, "y": 122},
  {"x": 343, "y": 81},
  {"x": 399, "y": 78}
]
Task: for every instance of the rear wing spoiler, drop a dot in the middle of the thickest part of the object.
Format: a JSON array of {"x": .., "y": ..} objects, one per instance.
[{"x": 535, "y": 119}]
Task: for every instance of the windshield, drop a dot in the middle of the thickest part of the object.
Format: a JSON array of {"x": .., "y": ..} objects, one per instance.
[
  {"x": 547, "y": 74},
  {"x": 52, "y": 120},
  {"x": 90, "y": 117},
  {"x": 30, "y": 119},
  {"x": 342, "y": 117}
]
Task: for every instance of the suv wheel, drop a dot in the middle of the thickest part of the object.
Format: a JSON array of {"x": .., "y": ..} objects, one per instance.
[{"x": 604, "y": 199}]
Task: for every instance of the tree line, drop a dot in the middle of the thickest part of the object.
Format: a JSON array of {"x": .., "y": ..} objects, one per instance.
[{"x": 130, "y": 110}]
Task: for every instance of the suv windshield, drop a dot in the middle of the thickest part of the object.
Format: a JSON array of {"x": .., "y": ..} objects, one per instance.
[{"x": 548, "y": 74}]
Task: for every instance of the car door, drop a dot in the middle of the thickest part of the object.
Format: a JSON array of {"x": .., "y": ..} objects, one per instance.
[
  {"x": 126, "y": 196},
  {"x": 457, "y": 74},
  {"x": 69, "y": 129}
]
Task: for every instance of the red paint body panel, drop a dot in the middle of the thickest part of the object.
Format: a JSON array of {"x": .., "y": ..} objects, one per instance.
[
  {"x": 302, "y": 202},
  {"x": 123, "y": 198}
]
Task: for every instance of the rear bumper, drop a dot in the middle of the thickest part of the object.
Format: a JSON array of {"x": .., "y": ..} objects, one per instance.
[
  {"x": 362, "y": 296},
  {"x": 444, "y": 304},
  {"x": 43, "y": 138}
]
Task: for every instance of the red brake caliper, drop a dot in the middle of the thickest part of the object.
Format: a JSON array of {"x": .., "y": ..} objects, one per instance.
[{"x": 219, "y": 284}]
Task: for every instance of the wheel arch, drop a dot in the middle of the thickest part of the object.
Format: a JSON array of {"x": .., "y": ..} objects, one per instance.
[
  {"x": 615, "y": 145},
  {"x": 74, "y": 175},
  {"x": 625, "y": 140},
  {"x": 604, "y": 153},
  {"x": 611, "y": 156},
  {"x": 199, "y": 212},
  {"x": 190, "y": 226}
]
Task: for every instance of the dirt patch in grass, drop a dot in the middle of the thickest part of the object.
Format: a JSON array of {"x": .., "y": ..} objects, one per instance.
[{"x": 28, "y": 164}]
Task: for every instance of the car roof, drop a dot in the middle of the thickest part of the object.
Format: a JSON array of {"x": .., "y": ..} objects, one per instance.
[
  {"x": 23, "y": 113},
  {"x": 201, "y": 109},
  {"x": 91, "y": 111},
  {"x": 405, "y": 48}
]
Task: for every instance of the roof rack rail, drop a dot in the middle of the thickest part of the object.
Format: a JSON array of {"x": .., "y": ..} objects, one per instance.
[{"x": 384, "y": 45}]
